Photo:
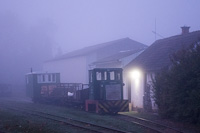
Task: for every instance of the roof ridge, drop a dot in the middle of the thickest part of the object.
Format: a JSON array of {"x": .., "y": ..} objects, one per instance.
[
  {"x": 101, "y": 45},
  {"x": 123, "y": 43},
  {"x": 179, "y": 35},
  {"x": 157, "y": 54},
  {"x": 98, "y": 44}
]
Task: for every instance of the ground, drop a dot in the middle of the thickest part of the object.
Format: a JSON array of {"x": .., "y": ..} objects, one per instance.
[{"x": 13, "y": 121}]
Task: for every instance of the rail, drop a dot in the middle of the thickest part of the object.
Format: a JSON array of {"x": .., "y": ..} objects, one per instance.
[{"x": 148, "y": 124}]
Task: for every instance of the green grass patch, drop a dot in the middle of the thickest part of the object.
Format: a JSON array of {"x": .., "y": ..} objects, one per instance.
[
  {"x": 18, "y": 123},
  {"x": 145, "y": 115}
]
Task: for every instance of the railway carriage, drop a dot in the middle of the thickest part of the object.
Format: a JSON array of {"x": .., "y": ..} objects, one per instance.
[
  {"x": 36, "y": 82},
  {"x": 103, "y": 94}
]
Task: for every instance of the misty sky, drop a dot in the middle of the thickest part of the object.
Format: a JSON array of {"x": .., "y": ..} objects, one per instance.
[{"x": 78, "y": 23}]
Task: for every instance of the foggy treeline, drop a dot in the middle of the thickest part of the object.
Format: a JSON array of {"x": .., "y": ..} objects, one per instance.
[{"x": 23, "y": 47}]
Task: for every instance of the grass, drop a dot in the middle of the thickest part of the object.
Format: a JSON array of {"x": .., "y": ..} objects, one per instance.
[
  {"x": 144, "y": 115},
  {"x": 13, "y": 122}
]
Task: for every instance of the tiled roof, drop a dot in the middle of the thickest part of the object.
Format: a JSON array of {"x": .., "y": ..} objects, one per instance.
[{"x": 158, "y": 54}]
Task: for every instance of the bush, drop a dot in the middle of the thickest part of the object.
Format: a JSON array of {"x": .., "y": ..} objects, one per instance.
[{"x": 177, "y": 88}]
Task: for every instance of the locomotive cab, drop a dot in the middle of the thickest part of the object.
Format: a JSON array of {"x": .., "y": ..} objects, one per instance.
[
  {"x": 106, "y": 91},
  {"x": 106, "y": 84}
]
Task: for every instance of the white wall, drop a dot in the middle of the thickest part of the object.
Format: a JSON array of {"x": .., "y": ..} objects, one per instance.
[
  {"x": 137, "y": 91},
  {"x": 150, "y": 77},
  {"x": 72, "y": 70},
  {"x": 137, "y": 87},
  {"x": 125, "y": 87}
]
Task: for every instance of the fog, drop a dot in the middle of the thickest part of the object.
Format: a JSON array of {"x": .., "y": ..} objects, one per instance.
[
  {"x": 33, "y": 31},
  {"x": 22, "y": 48}
]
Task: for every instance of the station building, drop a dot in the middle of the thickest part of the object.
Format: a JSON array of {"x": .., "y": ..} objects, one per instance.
[{"x": 73, "y": 66}]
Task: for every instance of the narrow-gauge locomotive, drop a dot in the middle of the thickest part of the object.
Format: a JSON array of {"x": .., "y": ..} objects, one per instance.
[{"x": 103, "y": 94}]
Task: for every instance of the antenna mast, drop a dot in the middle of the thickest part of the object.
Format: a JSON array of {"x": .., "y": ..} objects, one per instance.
[
  {"x": 155, "y": 32},
  {"x": 155, "y": 29}
]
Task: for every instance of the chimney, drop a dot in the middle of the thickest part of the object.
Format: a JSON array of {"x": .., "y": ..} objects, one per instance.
[{"x": 185, "y": 30}]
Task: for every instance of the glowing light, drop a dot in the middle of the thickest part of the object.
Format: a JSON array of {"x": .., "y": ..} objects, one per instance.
[{"x": 136, "y": 74}]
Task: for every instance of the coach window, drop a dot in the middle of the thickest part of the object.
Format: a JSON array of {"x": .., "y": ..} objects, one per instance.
[
  {"x": 43, "y": 78},
  {"x": 49, "y": 77},
  {"x": 39, "y": 80},
  {"x": 53, "y": 77}
]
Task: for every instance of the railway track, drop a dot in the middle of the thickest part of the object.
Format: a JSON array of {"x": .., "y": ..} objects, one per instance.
[
  {"x": 151, "y": 126},
  {"x": 78, "y": 124}
]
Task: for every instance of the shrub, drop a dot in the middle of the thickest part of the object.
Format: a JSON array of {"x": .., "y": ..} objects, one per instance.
[{"x": 177, "y": 89}]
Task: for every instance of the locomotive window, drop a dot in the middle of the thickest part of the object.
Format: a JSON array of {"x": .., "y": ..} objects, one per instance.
[
  {"x": 118, "y": 76},
  {"x": 112, "y": 75},
  {"x": 43, "y": 78},
  {"x": 104, "y": 77},
  {"x": 98, "y": 75}
]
